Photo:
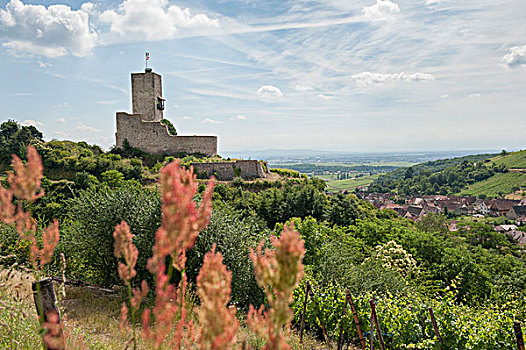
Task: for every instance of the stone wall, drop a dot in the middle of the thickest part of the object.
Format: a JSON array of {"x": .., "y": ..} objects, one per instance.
[
  {"x": 248, "y": 169},
  {"x": 153, "y": 137}
]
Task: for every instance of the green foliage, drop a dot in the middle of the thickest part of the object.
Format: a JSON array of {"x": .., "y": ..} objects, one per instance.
[
  {"x": 405, "y": 320},
  {"x": 171, "y": 127},
  {"x": 64, "y": 159},
  {"x": 12, "y": 248},
  {"x": 237, "y": 182},
  {"x": 449, "y": 180},
  {"x": 233, "y": 235},
  {"x": 14, "y": 139},
  {"x": 112, "y": 178},
  {"x": 87, "y": 235},
  {"x": 286, "y": 172}
]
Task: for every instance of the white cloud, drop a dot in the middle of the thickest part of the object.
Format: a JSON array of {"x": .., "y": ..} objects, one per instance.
[
  {"x": 44, "y": 64},
  {"x": 269, "y": 91},
  {"x": 382, "y": 10},
  {"x": 300, "y": 87},
  {"x": 87, "y": 128},
  {"x": 325, "y": 97},
  {"x": 31, "y": 122},
  {"x": 444, "y": 96},
  {"x": 61, "y": 120},
  {"x": 238, "y": 117},
  {"x": 432, "y": 2},
  {"x": 365, "y": 79},
  {"x": 51, "y": 31},
  {"x": 186, "y": 117},
  {"x": 211, "y": 121},
  {"x": 474, "y": 95},
  {"x": 516, "y": 57},
  {"x": 152, "y": 20}
]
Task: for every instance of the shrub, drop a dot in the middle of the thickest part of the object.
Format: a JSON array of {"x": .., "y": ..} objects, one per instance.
[
  {"x": 112, "y": 177},
  {"x": 87, "y": 235},
  {"x": 233, "y": 235}
]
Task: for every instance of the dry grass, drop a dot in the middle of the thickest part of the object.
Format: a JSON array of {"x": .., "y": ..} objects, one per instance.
[{"x": 90, "y": 317}]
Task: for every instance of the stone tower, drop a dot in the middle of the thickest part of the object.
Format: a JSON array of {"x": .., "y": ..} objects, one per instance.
[
  {"x": 147, "y": 95},
  {"x": 143, "y": 128}
]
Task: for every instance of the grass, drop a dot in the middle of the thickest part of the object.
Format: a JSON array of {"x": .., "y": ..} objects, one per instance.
[
  {"x": 496, "y": 185},
  {"x": 513, "y": 160},
  {"x": 90, "y": 319},
  {"x": 350, "y": 184}
]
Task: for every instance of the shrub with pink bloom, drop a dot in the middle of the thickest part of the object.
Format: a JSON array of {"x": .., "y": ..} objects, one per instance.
[
  {"x": 278, "y": 272},
  {"x": 217, "y": 322}
]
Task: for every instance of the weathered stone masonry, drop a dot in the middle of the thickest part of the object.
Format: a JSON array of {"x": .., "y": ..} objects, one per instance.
[
  {"x": 226, "y": 171},
  {"x": 143, "y": 128}
]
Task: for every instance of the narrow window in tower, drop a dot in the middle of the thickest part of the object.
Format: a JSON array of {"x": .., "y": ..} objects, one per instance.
[{"x": 160, "y": 103}]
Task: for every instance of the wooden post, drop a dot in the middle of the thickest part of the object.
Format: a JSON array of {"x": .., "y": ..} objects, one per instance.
[
  {"x": 435, "y": 327},
  {"x": 340, "y": 338},
  {"x": 45, "y": 302},
  {"x": 518, "y": 335},
  {"x": 356, "y": 319},
  {"x": 371, "y": 333},
  {"x": 307, "y": 288},
  {"x": 377, "y": 324}
]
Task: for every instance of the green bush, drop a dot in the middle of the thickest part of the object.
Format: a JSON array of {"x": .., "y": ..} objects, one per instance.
[
  {"x": 286, "y": 172},
  {"x": 87, "y": 235},
  {"x": 233, "y": 235},
  {"x": 112, "y": 178}
]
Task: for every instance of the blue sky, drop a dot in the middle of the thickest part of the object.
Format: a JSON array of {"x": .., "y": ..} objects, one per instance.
[{"x": 362, "y": 75}]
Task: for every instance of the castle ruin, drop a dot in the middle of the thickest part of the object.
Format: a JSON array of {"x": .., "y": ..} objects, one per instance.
[{"x": 143, "y": 129}]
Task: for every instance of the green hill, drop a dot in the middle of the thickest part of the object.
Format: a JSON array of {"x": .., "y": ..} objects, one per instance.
[
  {"x": 498, "y": 185},
  {"x": 479, "y": 175},
  {"x": 502, "y": 184},
  {"x": 514, "y": 160}
]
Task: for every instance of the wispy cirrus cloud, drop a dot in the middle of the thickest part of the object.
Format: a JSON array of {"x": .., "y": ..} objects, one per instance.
[
  {"x": 87, "y": 128},
  {"x": 31, "y": 122},
  {"x": 365, "y": 79},
  {"x": 212, "y": 121}
]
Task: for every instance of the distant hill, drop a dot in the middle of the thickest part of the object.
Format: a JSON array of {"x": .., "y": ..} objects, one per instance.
[
  {"x": 482, "y": 175},
  {"x": 510, "y": 184},
  {"x": 432, "y": 167}
]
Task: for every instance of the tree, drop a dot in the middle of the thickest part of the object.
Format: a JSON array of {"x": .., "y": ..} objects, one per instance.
[{"x": 14, "y": 139}]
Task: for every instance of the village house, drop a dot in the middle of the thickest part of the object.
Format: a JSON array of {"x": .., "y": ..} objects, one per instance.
[
  {"x": 500, "y": 207},
  {"x": 518, "y": 236},
  {"x": 516, "y": 212},
  {"x": 505, "y": 228}
]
